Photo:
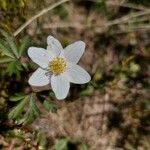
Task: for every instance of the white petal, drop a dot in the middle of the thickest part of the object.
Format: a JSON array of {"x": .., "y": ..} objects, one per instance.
[
  {"x": 40, "y": 56},
  {"x": 60, "y": 86},
  {"x": 74, "y": 51},
  {"x": 78, "y": 75},
  {"x": 54, "y": 45},
  {"x": 39, "y": 78}
]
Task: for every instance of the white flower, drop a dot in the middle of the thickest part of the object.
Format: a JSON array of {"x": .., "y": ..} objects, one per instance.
[{"x": 58, "y": 66}]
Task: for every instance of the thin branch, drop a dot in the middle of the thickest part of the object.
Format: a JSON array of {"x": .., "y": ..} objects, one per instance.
[
  {"x": 38, "y": 15},
  {"x": 133, "y": 29},
  {"x": 127, "y": 5},
  {"x": 124, "y": 19},
  {"x": 64, "y": 25},
  {"x": 133, "y": 6}
]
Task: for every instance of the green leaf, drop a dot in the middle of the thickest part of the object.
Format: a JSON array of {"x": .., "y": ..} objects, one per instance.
[
  {"x": 5, "y": 60},
  {"x": 50, "y": 107},
  {"x": 51, "y": 94},
  {"x": 88, "y": 91},
  {"x": 4, "y": 49},
  {"x": 25, "y": 65},
  {"x": 32, "y": 113},
  {"x": 62, "y": 144},
  {"x": 11, "y": 42},
  {"x": 33, "y": 106},
  {"x": 24, "y": 44},
  {"x": 17, "y": 110},
  {"x": 14, "y": 67},
  {"x": 41, "y": 140},
  {"x": 17, "y": 97},
  {"x": 83, "y": 147}
]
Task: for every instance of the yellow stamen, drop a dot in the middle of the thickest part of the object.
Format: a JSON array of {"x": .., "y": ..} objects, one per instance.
[{"x": 57, "y": 66}]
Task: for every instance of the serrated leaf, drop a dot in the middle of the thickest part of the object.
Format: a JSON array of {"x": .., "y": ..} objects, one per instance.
[
  {"x": 17, "y": 110},
  {"x": 5, "y": 60},
  {"x": 32, "y": 113},
  {"x": 24, "y": 44},
  {"x": 5, "y": 50},
  {"x": 14, "y": 67},
  {"x": 33, "y": 106},
  {"x": 28, "y": 118},
  {"x": 17, "y": 97},
  {"x": 62, "y": 144},
  {"x": 50, "y": 107},
  {"x": 11, "y": 42}
]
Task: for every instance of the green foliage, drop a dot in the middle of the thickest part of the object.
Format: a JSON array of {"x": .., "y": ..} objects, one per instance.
[
  {"x": 5, "y": 60},
  {"x": 26, "y": 139},
  {"x": 87, "y": 91},
  {"x": 50, "y": 107},
  {"x": 14, "y": 67},
  {"x": 11, "y": 53},
  {"x": 26, "y": 103},
  {"x": 62, "y": 144},
  {"x": 32, "y": 112},
  {"x": 5, "y": 49},
  {"x": 12, "y": 4},
  {"x": 11, "y": 42},
  {"x": 100, "y": 6},
  {"x": 11, "y": 9},
  {"x": 68, "y": 144},
  {"x": 17, "y": 97},
  {"x": 3, "y": 4},
  {"x": 51, "y": 94},
  {"x": 62, "y": 12},
  {"x": 41, "y": 140},
  {"x": 17, "y": 110},
  {"x": 23, "y": 45},
  {"x": 83, "y": 147}
]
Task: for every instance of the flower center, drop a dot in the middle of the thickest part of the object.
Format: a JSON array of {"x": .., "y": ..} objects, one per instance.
[{"x": 57, "y": 66}]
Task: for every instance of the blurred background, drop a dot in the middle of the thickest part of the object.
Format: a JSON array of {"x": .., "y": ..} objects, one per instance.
[{"x": 109, "y": 113}]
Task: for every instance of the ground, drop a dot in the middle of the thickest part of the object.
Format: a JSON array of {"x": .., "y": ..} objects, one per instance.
[{"x": 109, "y": 113}]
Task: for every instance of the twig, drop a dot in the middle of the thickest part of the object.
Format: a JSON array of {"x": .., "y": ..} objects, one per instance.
[
  {"x": 121, "y": 20},
  {"x": 64, "y": 25},
  {"x": 133, "y": 6},
  {"x": 128, "y": 5},
  {"x": 133, "y": 29},
  {"x": 38, "y": 15},
  {"x": 126, "y": 18}
]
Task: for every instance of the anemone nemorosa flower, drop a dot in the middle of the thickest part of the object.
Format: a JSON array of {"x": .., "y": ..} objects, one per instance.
[{"x": 58, "y": 66}]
